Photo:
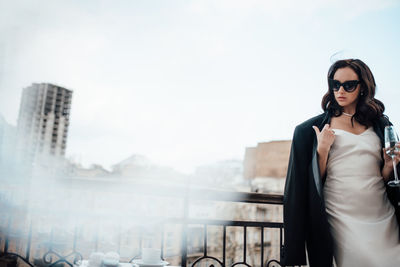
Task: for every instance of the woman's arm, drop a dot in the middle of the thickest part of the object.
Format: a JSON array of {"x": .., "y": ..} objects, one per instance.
[
  {"x": 386, "y": 173},
  {"x": 322, "y": 161}
]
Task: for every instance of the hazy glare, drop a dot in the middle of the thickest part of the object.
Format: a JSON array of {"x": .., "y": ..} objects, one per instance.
[{"x": 190, "y": 82}]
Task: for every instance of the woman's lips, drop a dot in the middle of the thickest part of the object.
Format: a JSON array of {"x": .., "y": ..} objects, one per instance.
[{"x": 341, "y": 98}]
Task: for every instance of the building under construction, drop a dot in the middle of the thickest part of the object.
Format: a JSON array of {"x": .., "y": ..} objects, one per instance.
[{"x": 43, "y": 122}]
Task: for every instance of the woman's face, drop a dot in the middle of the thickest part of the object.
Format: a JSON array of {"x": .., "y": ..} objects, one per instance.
[{"x": 343, "y": 98}]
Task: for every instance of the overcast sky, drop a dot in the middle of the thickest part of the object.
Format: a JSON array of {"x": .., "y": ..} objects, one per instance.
[{"x": 190, "y": 82}]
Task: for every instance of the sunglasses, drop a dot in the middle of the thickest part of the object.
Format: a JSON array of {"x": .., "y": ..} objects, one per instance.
[{"x": 348, "y": 86}]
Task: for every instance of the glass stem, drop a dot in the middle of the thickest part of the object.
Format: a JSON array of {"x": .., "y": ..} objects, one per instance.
[{"x": 396, "y": 178}]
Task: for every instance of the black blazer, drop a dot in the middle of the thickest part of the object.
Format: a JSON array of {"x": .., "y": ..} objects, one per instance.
[{"x": 304, "y": 216}]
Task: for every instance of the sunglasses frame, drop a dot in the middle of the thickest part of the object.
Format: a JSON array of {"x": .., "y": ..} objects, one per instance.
[{"x": 344, "y": 85}]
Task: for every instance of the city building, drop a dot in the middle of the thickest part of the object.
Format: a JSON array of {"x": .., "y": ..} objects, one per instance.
[
  {"x": 267, "y": 159},
  {"x": 43, "y": 123},
  {"x": 7, "y": 143},
  {"x": 140, "y": 167},
  {"x": 221, "y": 174}
]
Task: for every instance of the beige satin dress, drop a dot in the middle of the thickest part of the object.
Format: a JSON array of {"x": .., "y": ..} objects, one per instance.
[{"x": 362, "y": 219}]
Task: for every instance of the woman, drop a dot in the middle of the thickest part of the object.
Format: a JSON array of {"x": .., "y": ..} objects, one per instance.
[{"x": 335, "y": 198}]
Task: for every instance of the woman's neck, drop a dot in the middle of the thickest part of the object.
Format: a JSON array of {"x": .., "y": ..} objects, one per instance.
[{"x": 349, "y": 110}]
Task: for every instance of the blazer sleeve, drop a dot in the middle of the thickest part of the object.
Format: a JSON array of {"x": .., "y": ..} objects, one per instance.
[{"x": 295, "y": 202}]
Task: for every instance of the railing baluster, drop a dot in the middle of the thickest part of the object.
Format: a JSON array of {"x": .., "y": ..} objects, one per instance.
[
  {"x": 162, "y": 241},
  {"x": 51, "y": 243},
  {"x": 75, "y": 238},
  {"x": 140, "y": 242},
  {"x": 262, "y": 246},
  {"x": 6, "y": 244},
  {"x": 7, "y": 235},
  {"x": 51, "y": 238},
  {"x": 205, "y": 240},
  {"x": 280, "y": 244},
  {"x": 224, "y": 246},
  {"x": 28, "y": 246},
  {"x": 74, "y": 244},
  {"x": 185, "y": 229},
  {"x": 184, "y": 245},
  {"x": 96, "y": 239},
  {"x": 244, "y": 244},
  {"x": 119, "y": 239}
]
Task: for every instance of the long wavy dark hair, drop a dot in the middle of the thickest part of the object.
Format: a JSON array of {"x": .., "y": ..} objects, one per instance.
[{"x": 368, "y": 109}]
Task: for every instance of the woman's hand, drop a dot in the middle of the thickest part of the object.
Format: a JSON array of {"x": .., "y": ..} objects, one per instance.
[
  {"x": 388, "y": 159},
  {"x": 387, "y": 170},
  {"x": 325, "y": 139}
]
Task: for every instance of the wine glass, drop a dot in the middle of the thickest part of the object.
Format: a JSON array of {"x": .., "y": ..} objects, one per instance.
[{"x": 391, "y": 138}]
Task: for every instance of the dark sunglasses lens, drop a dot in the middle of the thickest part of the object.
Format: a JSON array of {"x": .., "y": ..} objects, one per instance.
[
  {"x": 350, "y": 86},
  {"x": 335, "y": 85}
]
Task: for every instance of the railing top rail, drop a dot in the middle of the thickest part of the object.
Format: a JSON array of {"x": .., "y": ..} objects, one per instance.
[
  {"x": 260, "y": 198},
  {"x": 178, "y": 191},
  {"x": 192, "y": 221}
]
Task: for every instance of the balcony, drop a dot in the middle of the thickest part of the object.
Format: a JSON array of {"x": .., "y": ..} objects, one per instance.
[{"x": 185, "y": 239}]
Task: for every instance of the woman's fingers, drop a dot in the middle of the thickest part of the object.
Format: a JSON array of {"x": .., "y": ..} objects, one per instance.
[
  {"x": 389, "y": 158},
  {"x": 317, "y": 131},
  {"x": 385, "y": 155}
]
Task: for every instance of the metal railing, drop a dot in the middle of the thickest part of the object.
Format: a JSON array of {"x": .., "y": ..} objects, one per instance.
[{"x": 52, "y": 258}]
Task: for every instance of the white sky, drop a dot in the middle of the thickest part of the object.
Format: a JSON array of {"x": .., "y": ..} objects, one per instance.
[{"x": 190, "y": 82}]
